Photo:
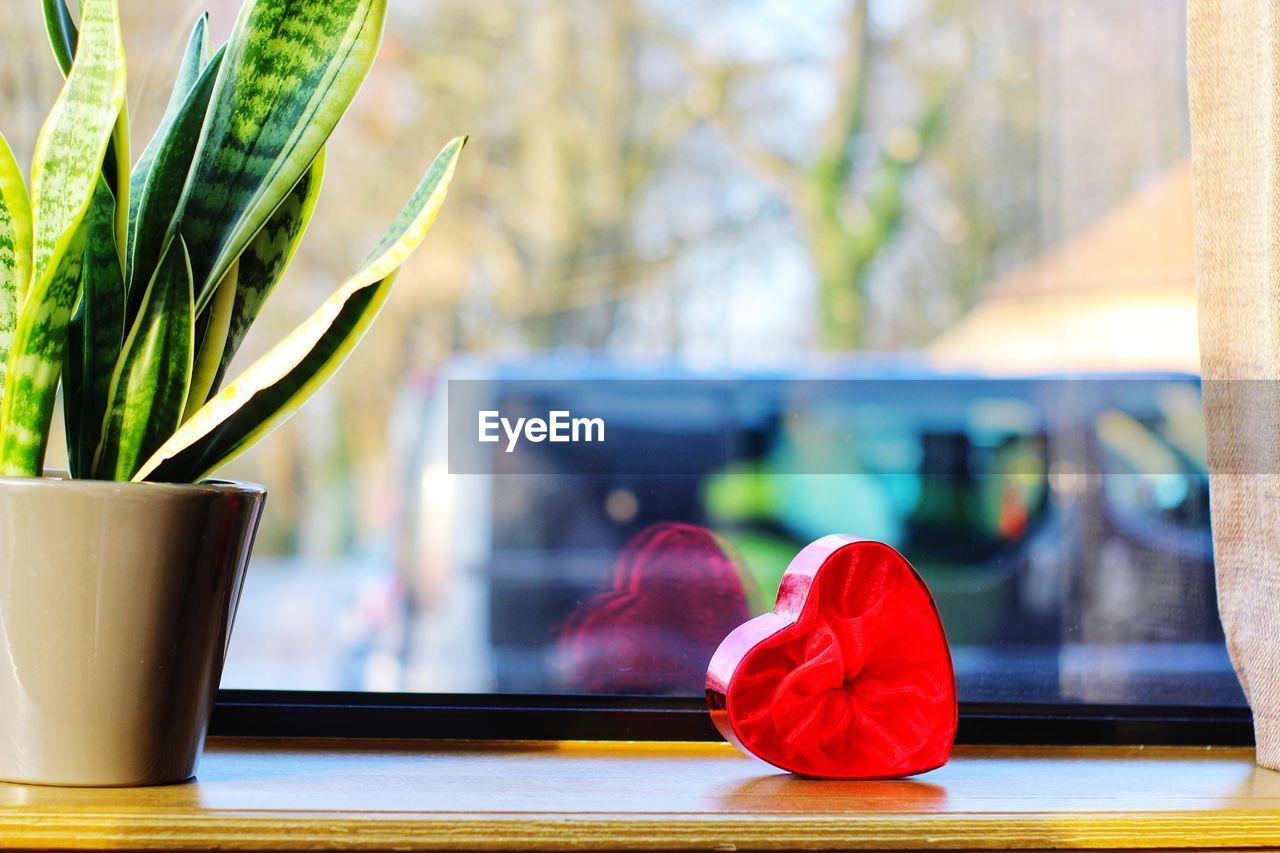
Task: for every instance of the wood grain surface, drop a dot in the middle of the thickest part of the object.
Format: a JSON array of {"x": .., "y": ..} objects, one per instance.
[{"x": 278, "y": 795}]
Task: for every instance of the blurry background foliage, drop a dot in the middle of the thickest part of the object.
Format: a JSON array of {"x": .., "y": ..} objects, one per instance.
[{"x": 724, "y": 182}]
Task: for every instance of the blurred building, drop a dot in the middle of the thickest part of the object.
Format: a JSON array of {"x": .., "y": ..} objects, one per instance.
[{"x": 1118, "y": 296}]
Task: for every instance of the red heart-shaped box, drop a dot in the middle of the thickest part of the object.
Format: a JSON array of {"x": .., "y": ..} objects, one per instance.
[{"x": 849, "y": 677}]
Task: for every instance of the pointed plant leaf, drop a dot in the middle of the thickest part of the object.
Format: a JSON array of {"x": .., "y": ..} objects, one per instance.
[
  {"x": 63, "y": 38},
  {"x": 73, "y": 141},
  {"x": 62, "y": 33},
  {"x": 115, "y": 167},
  {"x": 35, "y": 362},
  {"x": 169, "y": 162},
  {"x": 150, "y": 381},
  {"x": 291, "y": 69},
  {"x": 264, "y": 262},
  {"x": 15, "y": 249},
  {"x": 194, "y": 62},
  {"x": 214, "y": 339},
  {"x": 73, "y": 374},
  {"x": 68, "y": 160},
  {"x": 95, "y": 335},
  {"x": 273, "y": 387}
]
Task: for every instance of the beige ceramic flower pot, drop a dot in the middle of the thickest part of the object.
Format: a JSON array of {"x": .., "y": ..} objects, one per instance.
[{"x": 116, "y": 604}]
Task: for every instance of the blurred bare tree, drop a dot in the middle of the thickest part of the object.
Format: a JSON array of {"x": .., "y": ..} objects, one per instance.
[
  {"x": 731, "y": 180},
  {"x": 847, "y": 190}
]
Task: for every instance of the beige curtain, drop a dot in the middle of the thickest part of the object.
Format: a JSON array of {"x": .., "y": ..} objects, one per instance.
[{"x": 1233, "y": 61}]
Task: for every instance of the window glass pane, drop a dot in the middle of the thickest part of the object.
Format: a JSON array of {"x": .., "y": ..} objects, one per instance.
[{"x": 918, "y": 271}]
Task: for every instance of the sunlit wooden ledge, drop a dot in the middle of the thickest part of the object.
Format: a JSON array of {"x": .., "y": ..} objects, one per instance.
[{"x": 267, "y": 795}]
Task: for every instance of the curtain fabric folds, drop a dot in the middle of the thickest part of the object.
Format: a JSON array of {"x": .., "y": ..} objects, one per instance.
[{"x": 1233, "y": 70}]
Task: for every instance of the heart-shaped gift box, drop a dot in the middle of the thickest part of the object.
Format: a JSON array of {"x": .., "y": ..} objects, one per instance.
[{"x": 849, "y": 677}]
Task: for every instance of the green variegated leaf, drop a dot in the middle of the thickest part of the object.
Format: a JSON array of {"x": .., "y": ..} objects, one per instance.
[
  {"x": 263, "y": 264},
  {"x": 150, "y": 382},
  {"x": 35, "y": 362},
  {"x": 115, "y": 167},
  {"x": 209, "y": 347},
  {"x": 62, "y": 33},
  {"x": 194, "y": 61},
  {"x": 69, "y": 156},
  {"x": 170, "y": 162},
  {"x": 63, "y": 38},
  {"x": 291, "y": 69},
  {"x": 94, "y": 336},
  {"x": 74, "y": 138},
  {"x": 274, "y": 386},
  {"x": 15, "y": 249}
]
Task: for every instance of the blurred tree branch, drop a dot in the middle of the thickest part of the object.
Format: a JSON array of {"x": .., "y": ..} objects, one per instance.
[{"x": 850, "y": 218}]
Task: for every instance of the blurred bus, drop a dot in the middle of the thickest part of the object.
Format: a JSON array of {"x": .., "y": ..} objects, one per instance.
[{"x": 1061, "y": 522}]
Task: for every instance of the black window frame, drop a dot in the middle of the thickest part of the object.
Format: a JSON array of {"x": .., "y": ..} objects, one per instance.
[
  {"x": 498, "y": 717},
  {"x": 543, "y": 717}
]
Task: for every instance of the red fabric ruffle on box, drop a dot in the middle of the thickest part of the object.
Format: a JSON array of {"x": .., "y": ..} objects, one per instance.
[{"x": 849, "y": 677}]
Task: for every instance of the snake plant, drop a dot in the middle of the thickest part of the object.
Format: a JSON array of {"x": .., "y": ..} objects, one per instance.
[{"x": 132, "y": 283}]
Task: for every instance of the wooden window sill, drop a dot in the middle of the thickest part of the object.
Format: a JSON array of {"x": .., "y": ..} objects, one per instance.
[{"x": 289, "y": 794}]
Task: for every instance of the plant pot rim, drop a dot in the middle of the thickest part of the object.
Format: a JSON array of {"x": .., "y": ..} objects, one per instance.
[{"x": 60, "y": 480}]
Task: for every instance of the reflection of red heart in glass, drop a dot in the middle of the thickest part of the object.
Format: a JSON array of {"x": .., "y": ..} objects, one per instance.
[
  {"x": 849, "y": 677},
  {"x": 675, "y": 593}
]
